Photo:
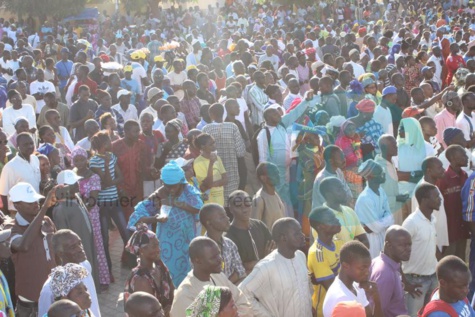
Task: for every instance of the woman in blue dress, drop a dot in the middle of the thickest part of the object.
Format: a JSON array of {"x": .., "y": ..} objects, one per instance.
[{"x": 174, "y": 207}]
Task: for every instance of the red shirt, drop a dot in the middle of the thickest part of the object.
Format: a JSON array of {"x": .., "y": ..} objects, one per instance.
[
  {"x": 451, "y": 187},
  {"x": 130, "y": 160},
  {"x": 151, "y": 146},
  {"x": 453, "y": 63},
  {"x": 89, "y": 83}
]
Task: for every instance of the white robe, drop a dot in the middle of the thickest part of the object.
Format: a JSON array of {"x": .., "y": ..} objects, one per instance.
[
  {"x": 373, "y": 212},
  {"x": 279, "y": 287}
]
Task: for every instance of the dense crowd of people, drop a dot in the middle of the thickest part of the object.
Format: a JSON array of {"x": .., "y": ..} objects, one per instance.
[{"x": 256, "y": 160}]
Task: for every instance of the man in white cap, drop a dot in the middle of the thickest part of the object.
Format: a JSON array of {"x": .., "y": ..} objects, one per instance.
[
  {"x": 124, "y": 107},
  {"x": 24, "y": 167},
  {"x": 30, "y": 243},
  {"x": 153, "y": 94},
  {"x": 70, "y": 212}
]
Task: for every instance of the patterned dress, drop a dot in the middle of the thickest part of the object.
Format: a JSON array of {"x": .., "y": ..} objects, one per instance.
[
  {"x": 162, "y": 287},
  {"x": 86, "y": 186},
  {"x": 373, "y": 131},
  {"x": 176, "y": 234},
  {"x": 178, "y": 150}
]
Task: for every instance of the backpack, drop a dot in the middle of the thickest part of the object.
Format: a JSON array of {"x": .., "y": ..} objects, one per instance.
[
  {"x": 439, "y": 305},
  {"x": 254, "y": 146}
]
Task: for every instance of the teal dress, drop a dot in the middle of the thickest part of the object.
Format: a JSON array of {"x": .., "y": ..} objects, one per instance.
[{"x": 174, "y": 235}]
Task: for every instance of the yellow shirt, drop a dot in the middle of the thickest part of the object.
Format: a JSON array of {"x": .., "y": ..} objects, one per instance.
[
  {"x": 324, "y": 263},
  {"x": 200, "y": 165},
  {"x": 350, "y": 224}
]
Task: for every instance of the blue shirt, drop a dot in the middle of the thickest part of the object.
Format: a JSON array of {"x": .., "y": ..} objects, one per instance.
[
  {"x": 63, "y": 69},
  {"x": 132, "y": 86}
]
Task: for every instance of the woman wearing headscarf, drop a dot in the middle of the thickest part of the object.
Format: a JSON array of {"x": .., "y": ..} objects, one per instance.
[
  {"x": 333, "y": 127},
  {"x": 174, "y": 147},
  {"x": 151, "y": 275},
  {"x": 394, "y": 50},
  {"x": 370, "y": 131},
  {"x": 174, "y": 207},
  {"x": 411, "y": 153},
  {"x": 213, "y": 301},
  {"x": 355, "y": 94},
  {"x": 89, "y": 188},
  {"x": 371, "y": 89},
  {"x": 350, "y": 143},
  {"x": 66, "y": 283}
]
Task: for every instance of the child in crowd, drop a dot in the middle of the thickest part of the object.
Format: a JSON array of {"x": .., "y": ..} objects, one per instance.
[
  {"x": 267, "y": 205},
  {"x": 323, "y": 255}
]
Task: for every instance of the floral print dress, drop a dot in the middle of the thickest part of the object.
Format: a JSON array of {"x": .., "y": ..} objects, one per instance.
[{"x": 86, "y": 186}]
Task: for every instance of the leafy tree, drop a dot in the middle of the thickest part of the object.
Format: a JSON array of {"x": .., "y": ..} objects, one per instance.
[
  {"x": 152, "y": 5},
  {"x": 286, "y": 2},
  {"x": 44, "y": 8}
]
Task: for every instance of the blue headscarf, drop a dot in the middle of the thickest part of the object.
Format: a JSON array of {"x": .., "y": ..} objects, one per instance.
[
  {"x": 173, "y": 174},
  {"x": 394, "y": 50},
  {"x": 46, "y": 149}
]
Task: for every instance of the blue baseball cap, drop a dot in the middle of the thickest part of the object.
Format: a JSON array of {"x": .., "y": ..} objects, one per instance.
[
  {"x": 389, "y": 90},
  {"x": 426, "y": 68}
]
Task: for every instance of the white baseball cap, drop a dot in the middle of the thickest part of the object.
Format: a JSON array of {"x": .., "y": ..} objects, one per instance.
[
  {"x": 123, "y": 92},
  {"x": 67, "y": 177},
  {"x": 24, "y": 192}
]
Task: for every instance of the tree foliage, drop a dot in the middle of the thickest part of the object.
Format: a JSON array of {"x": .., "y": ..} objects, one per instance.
[
  {"x": 287, "y": 2},
  {"x": 144, "y": 5},
  {"x": 44, "y": 8}
]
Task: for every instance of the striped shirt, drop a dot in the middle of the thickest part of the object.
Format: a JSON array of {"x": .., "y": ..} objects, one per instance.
[
  {"x": 468, "y": 199},
  {"x": 108, "y": 194},
  {"x": 230, "y": 146},
  {"x": 258, "y": 100},
  {"x": 191, "y": 110},
  {"x": 323, "y": 265}
]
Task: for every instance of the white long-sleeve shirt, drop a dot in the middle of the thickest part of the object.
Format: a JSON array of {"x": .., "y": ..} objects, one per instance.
[{"x": 279, "y": 287}]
